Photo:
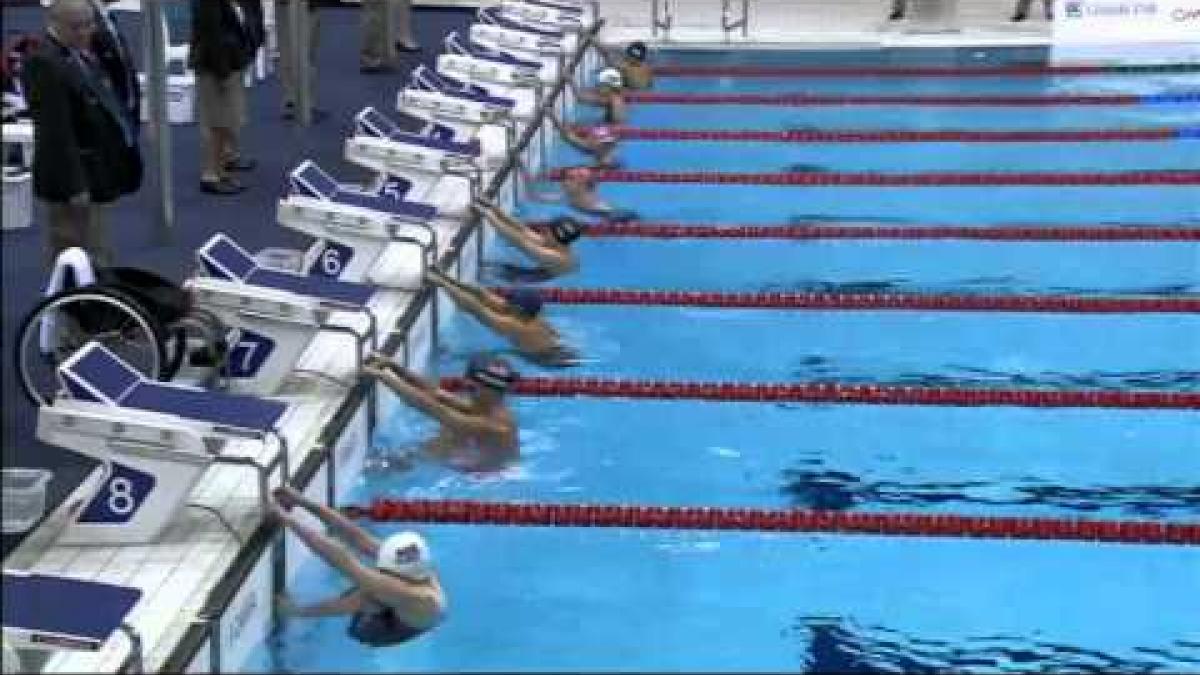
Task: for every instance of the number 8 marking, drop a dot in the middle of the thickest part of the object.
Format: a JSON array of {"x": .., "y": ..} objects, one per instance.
[{"x": 120, "y": 496}]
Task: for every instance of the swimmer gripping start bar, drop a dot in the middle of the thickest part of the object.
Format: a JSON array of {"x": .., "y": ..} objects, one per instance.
[
  {"x": 1067, "y": 304},
  {"x": 763, "y": 520},
  {"x": 805, "y": 100},
  {"x": 822, "y": 178},
  {"x": 837, "y": 392},
  {"x": 809, "y": 231}
]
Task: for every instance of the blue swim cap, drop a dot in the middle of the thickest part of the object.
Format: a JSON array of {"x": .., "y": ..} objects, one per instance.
[
  {"x": 566, "y": 229},
  {"x": 527, "y": 301},
  {"x": 636, "y": 51}
]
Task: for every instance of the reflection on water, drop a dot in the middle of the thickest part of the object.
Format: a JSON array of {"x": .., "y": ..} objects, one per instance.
[
  {"x": 820, "y": 488},
  {"x": 993, "y": 285},
  {"x": 837, "y": 645},
  {"x": 819, "y": 368}
]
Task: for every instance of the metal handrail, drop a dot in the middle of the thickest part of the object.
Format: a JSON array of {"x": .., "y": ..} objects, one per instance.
[
  {"x": 743, "y": 22},
  {"x": 668, "y": 17}
]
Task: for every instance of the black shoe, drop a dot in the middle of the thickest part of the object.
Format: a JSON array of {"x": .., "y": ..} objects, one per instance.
[
  {"x": 1019, "y": 16},
  {"x": 289, "y": 111},
  {"x": 895, "y": 16},
  {"x": 240, "y": 163},
  {"x": 374, "y": 68},
  {"x": 224, "y": 186},
  {"x": 407, "y": 46}
]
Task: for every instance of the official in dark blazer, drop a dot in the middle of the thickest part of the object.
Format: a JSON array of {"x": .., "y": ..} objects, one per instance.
[
  {"x": 86, "y": 152},
  {"x": 114, "y": 56}
]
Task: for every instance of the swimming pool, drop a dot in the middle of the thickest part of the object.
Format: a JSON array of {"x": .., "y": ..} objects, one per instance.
[{"x": 546, "y": 599}]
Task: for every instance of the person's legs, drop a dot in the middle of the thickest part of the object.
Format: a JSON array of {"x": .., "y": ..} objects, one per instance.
[
  {"x": 375, "y": 53},
  {"x": 66, "y": 226},
  {"x": 314, "y": 39},
  {"x": 98, "y": 245},
  {"x": 231, "y": 151},
  {"x": 287, "y": 59},
  {"x": 898, "y": 7},
  {"x": 1022, "y": 10},
  {"x": 405, "y": 39}
]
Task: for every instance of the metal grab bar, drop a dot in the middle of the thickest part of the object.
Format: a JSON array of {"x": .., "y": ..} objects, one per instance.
[
  {"x": 668, "y": 17},
  {"x": 743, "y": 22}
]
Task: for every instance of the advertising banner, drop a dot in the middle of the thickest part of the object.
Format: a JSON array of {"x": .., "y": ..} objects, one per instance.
[{"x": 1127, "y": 31}]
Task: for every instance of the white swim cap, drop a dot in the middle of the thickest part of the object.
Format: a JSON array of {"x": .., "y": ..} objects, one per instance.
[
  {"x": 611, "y": 77},
  {"x": 406, "y": 555}
]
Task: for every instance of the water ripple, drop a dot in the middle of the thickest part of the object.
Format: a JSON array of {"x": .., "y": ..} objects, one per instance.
[
  {"x": 837, "y": 645},
  {"x": 819, "y": 368},
  {"x": 840, "y": 490}
]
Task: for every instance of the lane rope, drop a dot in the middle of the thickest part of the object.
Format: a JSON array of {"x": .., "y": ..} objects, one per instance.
[
  {"x": 1035, "y": 70},
  {"x": 776, "y": 520},
  {"x": 801, "y": 231},
  {"x": 1070, "y": 304},
  {"x": 848, "y": 393},
  {"x": 900, "y": 135},
  {"x": 940, "y": 178},
  {"x": 798, "y": 100}
]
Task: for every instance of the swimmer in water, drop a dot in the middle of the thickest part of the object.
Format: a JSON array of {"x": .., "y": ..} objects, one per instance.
[
  {"x": 600, "y": 141},
  {"x": 579, "y": 184},
  {"x": 609, "y": 94},
  {"x": 632, "y": 62},
  {"x": 478, "y": 432},
  {"x": 549, "y": 246},
  {"x": 394, "y": 599},
  {"x": 514, "y": 315}
]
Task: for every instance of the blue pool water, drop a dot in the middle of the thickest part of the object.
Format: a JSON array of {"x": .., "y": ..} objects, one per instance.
[{"x": 564, "y": 599}]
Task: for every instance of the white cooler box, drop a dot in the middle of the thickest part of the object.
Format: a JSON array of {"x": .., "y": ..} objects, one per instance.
[
  {"x": 18, "y": 198},
  {"x": 181, "y": 98}
]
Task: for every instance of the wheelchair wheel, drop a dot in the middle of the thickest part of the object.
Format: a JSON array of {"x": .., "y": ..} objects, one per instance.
[{"x": 61, "y": 324}]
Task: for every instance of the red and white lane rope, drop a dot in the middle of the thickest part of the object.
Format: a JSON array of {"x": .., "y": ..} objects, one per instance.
[
  {"x": 940, "y": 178},
  {"x": 837, "y": 392},
  {"x": 816, "y": 230},
  {"x": 804, "y": 100},
  {"x": 763, "y": 520},
  {"x": 1026, "y": 70},
  {"x": 874, "y": 301},
  {"x": 897, "y": 135}
]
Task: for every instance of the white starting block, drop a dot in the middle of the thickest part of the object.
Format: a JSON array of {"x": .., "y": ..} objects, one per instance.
[
  {"x": 45, "y": 612},
  {"x": 472, "y": 62},
  {"x": 496, "y": 16},
  {"x": 276, "y": 313},
  {"x": 358, "y": 244},
  {"x": 424, "y": 162},
  {"x": 498, "y": 37},
  {"x": 567, "y": 16},
  {"x": 157, "y": 438},
  {"x": 469, "y": 110}
]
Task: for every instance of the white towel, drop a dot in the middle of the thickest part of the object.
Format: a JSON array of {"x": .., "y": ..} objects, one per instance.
[{"x": 72, "y": 269}]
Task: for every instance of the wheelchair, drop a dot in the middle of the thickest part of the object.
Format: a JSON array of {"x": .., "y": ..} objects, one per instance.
[{"x": 147, "y": 320}]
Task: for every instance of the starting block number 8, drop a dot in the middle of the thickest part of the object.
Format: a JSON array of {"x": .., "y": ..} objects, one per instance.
[
  {"x": 119, "y": 499},
  {"x": 120, "y": 496}
]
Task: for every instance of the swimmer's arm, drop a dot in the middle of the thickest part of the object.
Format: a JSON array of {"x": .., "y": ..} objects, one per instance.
[
  {"x": 521, "y": 236},
  {"x": 346, "y": 603},
  {"x": 343, "y": 526},
  {"x": 330, "y": 551}
]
